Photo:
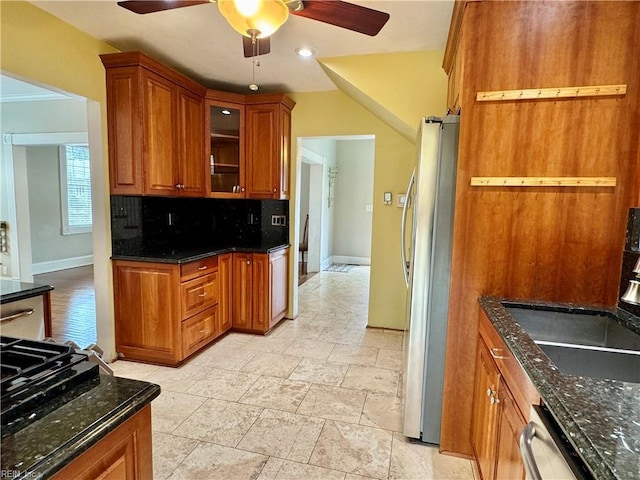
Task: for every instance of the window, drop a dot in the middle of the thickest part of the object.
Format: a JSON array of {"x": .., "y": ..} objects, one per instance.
[{"x": 75, "y": 189}]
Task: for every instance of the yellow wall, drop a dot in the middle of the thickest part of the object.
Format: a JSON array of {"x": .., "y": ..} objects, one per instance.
[
  {"x": 334, "y": 113},
  {"x": 379, "y": 92},
  {"x": 38, "y": 47},
  {"x": 399, "y": 88}
]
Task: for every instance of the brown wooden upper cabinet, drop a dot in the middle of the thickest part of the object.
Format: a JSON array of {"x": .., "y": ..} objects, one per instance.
[
  {"x": 225, "y": 149},
  {"x": 453, "y": 59},
  {"x": 169, "y": 136},
  {"x": 249, "y": 147},
  {"x": 269, "y": 147},
  {"x": 155, "y": 121}
]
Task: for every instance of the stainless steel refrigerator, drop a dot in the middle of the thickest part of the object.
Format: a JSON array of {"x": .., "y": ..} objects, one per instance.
[{"x": 426, "y": 261}]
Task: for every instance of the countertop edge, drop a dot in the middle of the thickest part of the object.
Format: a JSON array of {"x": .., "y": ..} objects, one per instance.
[
  {"x": 592, "y": 457},
  {"x": 24, "y": 294},
  {"x": 91, "y": 435},
  {"x": 198, "y": 256}
]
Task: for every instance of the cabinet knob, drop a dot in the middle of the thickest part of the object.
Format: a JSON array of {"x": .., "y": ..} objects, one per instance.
[
  {"x": 494, "y": 400},
  {"x": 248, "y": 262},
  {"x": 275, "y": 190},
  {"x": 242, "y": 189},
  {"x": 489, "y": 392}
]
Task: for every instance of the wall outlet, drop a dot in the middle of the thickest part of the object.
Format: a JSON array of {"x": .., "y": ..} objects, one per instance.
[{"x": 279, "y": 220}]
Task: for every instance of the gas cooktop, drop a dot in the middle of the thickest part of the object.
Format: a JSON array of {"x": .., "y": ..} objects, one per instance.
[{"x": 35, "y": 372}]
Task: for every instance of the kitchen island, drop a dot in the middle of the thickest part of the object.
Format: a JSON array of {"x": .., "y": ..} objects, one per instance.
[
  {"x": 600, "y": 418},
  {"x": 54, "y": 438}
]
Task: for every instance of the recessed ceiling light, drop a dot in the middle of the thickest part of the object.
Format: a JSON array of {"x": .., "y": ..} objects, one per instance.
[
  {"x": 226, "y": 112},
  {"x": 306, "y": 52}
]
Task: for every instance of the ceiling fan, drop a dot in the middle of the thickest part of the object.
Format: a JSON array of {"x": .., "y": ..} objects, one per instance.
[{"x": 256, "y": 20}]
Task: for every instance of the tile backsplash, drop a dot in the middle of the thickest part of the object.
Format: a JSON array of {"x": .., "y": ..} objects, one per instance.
[{"x": 143, "y": 223}]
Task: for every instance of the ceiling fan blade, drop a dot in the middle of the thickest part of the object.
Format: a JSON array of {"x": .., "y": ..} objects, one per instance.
[
  {"x": 263, "y": 46},
  {"x": 150, "y": 6},
  {"x": 346, "y": 15}
]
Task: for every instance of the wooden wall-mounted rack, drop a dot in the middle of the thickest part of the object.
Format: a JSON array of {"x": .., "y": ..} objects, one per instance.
[
  {"x": 562, "y": 92},
  {"x": 543, "y": 181}
]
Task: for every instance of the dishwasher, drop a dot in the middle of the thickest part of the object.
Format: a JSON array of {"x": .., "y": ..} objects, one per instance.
[{"x": 546, "y": 451}]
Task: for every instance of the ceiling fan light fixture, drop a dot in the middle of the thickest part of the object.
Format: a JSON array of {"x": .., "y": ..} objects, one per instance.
[{"x": 245, "y": 16}]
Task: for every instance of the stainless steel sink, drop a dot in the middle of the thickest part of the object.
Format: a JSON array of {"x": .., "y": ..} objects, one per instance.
[
  {"x": 612, "y": 364},
  {"x": 587, "y": 344}
]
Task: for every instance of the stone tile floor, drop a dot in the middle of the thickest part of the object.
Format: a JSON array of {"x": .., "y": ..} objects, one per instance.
[{"x": 315, "y": 399}]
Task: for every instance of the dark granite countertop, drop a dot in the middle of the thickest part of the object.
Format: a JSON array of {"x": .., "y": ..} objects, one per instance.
[
  {"x": 13, "y": 290},
  {"x": 67, "y": 426},
  {"x": 190, "y": 254},
  {"x": 601, "y": 418}
]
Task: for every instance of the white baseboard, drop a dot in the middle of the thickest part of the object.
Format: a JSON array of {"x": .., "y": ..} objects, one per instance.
[
  {"x": 62, "y": 264},
  {"x": 351, "y": 260},
  {"x": 326, "y": 263}
]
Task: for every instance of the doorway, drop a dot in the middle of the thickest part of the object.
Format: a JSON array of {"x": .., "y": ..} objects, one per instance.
[
  {"x": 53, "y": 200},
  {"x": 335, "y": 188}
]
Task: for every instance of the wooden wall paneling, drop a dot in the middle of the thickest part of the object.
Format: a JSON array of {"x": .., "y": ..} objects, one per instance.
[{"x": 556, "y": 244}]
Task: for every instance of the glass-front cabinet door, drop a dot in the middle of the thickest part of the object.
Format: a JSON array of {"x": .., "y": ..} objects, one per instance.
[{"x": 226, "y": 149}]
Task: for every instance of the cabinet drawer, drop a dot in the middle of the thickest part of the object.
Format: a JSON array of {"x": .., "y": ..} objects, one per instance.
[
  {"x": 199, "y": 294},
  {"x": 192, "y": 270},
  {"x": 199, "y": 330}
]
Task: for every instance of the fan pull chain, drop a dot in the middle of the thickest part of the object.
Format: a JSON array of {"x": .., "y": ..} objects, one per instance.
[{"x": 255, "y": 62}]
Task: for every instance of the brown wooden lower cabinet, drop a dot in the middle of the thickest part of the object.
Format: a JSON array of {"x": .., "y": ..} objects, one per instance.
[
  {"x": 498, "y": 418},
  {"x": 166, "y": 312},
  {"x": 509, "y": 464},
  {"x": 485, "y": 413},
  {"x": 124, "y": 454},
  {"x": 260, "y": 290}
]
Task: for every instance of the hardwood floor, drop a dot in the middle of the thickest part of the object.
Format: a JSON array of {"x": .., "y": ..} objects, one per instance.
[
  {"x": 303, "y": 277},
  {"x": 73, "y": 306}
]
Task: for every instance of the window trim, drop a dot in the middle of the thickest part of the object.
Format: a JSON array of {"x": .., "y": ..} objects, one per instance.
[{"x": 64, "y": 192}]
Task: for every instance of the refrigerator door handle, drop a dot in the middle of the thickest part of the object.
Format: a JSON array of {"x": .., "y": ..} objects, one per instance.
[{"x": 403, "y": 231}]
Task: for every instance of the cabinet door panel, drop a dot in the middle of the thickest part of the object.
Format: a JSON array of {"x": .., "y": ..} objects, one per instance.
[
  {"x": 278, "y": 285},
  {"x": 509, "y": 462},
  {"x": 241, "y": 296},
  {"x": 485, "y": 414},
  {"x": 160, "y": 148},
  {"x": 124, "y": 454},
  {"x": 225, "y": 270},
  {"x": 225, "y": 127},
  {"x": 147, "y": 311},
  {"x": 261, "y": 298},
  {"x": 124, "y": 128},
  {"x": 262, "y": 151},
  {"x": 285, "y": 154},
  {"x": 191, "y": 159}
]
